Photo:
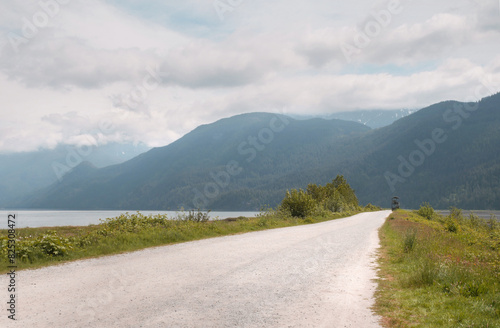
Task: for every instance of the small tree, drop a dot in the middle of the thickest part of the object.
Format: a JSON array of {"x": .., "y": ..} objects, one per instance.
[
  {"x": 426, "y": 211},
  {"x": 318, "y": 193},
  {"x": 298, "y": 203}
]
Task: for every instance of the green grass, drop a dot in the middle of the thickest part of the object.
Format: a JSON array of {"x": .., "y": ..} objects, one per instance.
[
  {"x": 439, "y": 271},
  {"x": 39, "y": 247}
]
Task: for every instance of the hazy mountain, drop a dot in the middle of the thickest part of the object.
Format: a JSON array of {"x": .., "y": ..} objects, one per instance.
[
  {"x": 22, "y": 173},
  {"x": 224, "y": 165},
  {"x": 446, "y": 154},
  {"x": 372, "y": 118}
]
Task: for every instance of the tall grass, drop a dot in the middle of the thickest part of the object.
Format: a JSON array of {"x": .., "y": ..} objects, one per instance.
[
  {"x": 439, "y": 271},
  {"x": 409, "y": 240}
]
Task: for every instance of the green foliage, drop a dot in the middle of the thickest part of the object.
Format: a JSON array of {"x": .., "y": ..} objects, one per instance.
[
  {"x": 53, "y": 245},
  {"x": 493, "y": 224},
  {"x": 30, "y": 249},
  {"x": 195, "y": 216},
  {"x": 451, "y": 225},
  {"x": 426, "y": 211},
  {"x": 298, "y": 203},
  {"x": 456, "y": 213},
  {"x": 318, "y": 147},
  {"x": 198, "y": 155},
  {"x": 337, "y": 197},
  {"x": 371, "y": 208}
]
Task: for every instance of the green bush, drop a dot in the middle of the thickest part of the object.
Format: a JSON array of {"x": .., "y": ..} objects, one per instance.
[
  {"x": 335, "y": 203},
  {"x": 195, "y": 216},
  {"x": 298, "y": 203},
  {"x": 456, "y": 213},
  {"x": 492, "y": 223},
  {"x": 26, "y": 251},
  {"x": 426, "y": 211},
  {"x": 451, "y": 225},
  {"x": 46, "y": 245},
  {"x": 474, "y": 221},
  {"x": 372, "y": 208},
  {"x": 53, "y": 245},
  {"x": 337, "y": 196}
]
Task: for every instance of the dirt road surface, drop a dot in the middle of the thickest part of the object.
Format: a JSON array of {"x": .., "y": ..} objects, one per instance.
[{"x": 316, "y": 275}]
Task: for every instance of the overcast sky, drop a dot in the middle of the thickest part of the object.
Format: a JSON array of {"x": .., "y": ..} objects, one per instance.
[{"x": 77, "y": 72}]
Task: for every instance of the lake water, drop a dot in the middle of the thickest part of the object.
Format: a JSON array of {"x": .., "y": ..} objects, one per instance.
[
  {"x": 36, "y": 219},
  {"x": 479, "y": 213}
]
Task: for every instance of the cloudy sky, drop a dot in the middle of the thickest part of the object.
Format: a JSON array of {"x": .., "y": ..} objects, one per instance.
[{"x": 96, "y": 71}]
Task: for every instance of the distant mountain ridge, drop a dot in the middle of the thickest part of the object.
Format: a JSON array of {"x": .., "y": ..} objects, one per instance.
[
  {"x": 258, "y": 146},
  {"x": 446, "y": 154},
  {"x": 22, "y": 173},
  {"x": 372, "y": 118}
]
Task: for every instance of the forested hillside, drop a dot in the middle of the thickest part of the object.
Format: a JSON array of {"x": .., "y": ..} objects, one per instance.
[
  {"x": 225, "y": 165},
  {"x": 446, "y": 154}
]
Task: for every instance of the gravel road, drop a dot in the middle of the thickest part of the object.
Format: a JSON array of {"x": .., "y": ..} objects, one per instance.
[{"x": 316, "y": 275}]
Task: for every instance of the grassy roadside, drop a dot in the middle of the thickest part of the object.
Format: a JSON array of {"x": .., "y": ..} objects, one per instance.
[
  {"x": 439, "y": 271},
  {"x": 40, "y": 247}
]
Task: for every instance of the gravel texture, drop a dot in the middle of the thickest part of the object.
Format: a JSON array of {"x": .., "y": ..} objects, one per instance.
[{"x": 318, "y": 275}]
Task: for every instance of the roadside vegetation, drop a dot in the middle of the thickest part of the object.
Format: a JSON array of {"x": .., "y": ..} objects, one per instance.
[
  {"x": 439, "y": 271},
  {"x": 38, "y": 247}
]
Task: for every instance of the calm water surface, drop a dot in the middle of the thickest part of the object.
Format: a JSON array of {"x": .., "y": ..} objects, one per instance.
[
  {"x": 479, "y": 213},
  {"x": 36, "y": 219}
]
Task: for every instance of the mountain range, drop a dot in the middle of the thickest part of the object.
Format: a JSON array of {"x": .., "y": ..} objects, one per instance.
[
  {"x": 445, "y": 154},
  {"x": 372, "y": 118},
  {"x": 25, "y": 172}
]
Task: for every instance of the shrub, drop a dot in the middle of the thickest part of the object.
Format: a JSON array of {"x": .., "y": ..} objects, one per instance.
[
  {"x": 195, "y": 216},
  {"x": 372, "y": 208},
  {"x": 451, "y": 225},
  {"x": 46, "y": 245},
  {"x": 456, "y": 214},
  {"x": 26, "y": 251},
  {"x": 474, "y": 221},
  {"x": 335, "y": 203},
  {"x": 492, "y": 223},
  {"x": 53, "y": 245},
  {"x": 426, "y": 211},
  {"x": 337, "y": 196},
  {"x": 298, "y": 203}
]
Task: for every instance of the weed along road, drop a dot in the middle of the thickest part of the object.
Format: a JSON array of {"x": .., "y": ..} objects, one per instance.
[{"x": 317, "y": 275}]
